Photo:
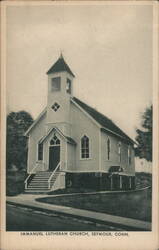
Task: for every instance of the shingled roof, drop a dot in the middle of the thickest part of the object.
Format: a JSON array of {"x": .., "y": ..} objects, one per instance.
[
  {"x": 105, "y": 122},
  {"x": 59, "y": 66}
]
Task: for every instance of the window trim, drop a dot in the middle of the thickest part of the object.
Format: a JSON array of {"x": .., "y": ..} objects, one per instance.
[
  {"x": 69, "y": 90},
  {"x": 119, "y": 152},
  {"x": 108, "y": 138},
  {"x": 89, "y": 158},
  {"x": 51, "y": 88},
  {"x": 40, "y": 160},
  {"x": 129, "y": 155}
]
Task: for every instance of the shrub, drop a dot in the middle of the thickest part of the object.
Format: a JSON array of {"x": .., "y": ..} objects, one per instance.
[{"x": 15, "y": 183}]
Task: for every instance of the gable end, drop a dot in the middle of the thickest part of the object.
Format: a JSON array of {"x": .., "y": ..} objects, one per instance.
[{"x": 102, "y": 121}]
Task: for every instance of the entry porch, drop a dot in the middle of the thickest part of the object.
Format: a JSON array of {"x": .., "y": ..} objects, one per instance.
[{"x": 53, "y": 159}]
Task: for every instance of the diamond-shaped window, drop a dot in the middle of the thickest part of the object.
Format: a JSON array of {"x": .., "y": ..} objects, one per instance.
[{"x": 55, "y": 106}]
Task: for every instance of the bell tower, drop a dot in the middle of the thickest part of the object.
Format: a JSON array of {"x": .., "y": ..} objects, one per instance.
[{"x": 60, "y": 90}]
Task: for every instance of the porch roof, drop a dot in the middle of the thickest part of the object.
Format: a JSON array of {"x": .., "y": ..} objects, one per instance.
[
  {"x": 67, "y": 138},
  {"x": 115, "y": 169}
]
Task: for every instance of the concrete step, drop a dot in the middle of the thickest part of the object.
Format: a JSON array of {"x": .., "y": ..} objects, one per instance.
[
  {"x": 44, "y": 171},
  {"x": 40, "y": 181},
  {"x": 42, "y": 185},
  {"x": 30, "y": 191},
  {"x": 38, "y": 188},
  {"x": 37, "y": 181},
  {"x": 40, "y": 178},
  {"x": 43, "y": 174},
  {"x": 46, "y": 176},
  {"x": 38, "y": 184}
]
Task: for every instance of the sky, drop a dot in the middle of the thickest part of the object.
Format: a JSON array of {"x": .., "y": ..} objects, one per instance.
[{"x": 108, "y": 48}]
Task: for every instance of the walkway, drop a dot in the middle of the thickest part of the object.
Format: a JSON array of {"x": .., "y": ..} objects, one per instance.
[{"x": 28, "y": 200}]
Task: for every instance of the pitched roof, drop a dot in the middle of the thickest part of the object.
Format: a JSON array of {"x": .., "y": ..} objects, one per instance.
[
  {"x": 104, "y": 121},
  {"x": 59, "y": 66},
  {"x": 36, "y": 121}
]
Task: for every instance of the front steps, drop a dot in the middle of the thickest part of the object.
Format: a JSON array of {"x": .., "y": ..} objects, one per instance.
[{"x": 39, "y": 182}]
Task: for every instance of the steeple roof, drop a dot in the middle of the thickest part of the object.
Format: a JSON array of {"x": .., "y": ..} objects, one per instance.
[{"x": 59, "y": 66}]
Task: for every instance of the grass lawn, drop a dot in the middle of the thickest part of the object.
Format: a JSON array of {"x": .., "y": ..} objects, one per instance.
[{"x": 136, "y": 205}]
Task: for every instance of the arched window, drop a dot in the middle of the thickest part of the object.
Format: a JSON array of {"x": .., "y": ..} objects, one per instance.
[
  {"x": 108, "y": 149},
  {"x": 129, "y": 155},
  {"x": 54, "y": 141},
  {"x": 119, "y": 151},
  {"x": 40, "y": 151},
  {"x": 84, "y": 147}
]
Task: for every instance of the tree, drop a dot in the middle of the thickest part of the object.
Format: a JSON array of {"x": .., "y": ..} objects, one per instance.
[
  {"x": 16, "y": 145},
  {"x": 144, "y": 136}
]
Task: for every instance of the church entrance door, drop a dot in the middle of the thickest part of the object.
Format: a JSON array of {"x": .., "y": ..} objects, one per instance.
[
  {"x": 54, "y": 157},
  {"x": 54, "y": 153}
]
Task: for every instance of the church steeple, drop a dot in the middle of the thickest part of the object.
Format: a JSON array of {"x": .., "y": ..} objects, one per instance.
[
  {"x": 60, "y": 90},
  {"x": 59, "y": 66}
]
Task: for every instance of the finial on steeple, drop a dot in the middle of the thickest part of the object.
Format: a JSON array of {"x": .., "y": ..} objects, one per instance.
[{"x": 61, "y": 56}]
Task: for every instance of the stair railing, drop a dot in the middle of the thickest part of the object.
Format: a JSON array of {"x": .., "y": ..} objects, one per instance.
[
  {"x": 55, "y": 170},
  {"x": 32, "y": 172}
]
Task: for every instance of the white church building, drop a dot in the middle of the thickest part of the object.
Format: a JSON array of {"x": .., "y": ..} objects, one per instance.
[{"x": 72, "y": 145}]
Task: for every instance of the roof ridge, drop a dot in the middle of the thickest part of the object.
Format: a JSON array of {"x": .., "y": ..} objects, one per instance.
[
  {"x": 36, "y": 120},
  {"x": 95, "y": 110}
]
